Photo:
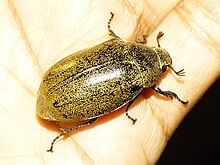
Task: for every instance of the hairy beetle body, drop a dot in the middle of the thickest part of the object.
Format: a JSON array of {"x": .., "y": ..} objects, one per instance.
[{"x": 98, "y": 80}]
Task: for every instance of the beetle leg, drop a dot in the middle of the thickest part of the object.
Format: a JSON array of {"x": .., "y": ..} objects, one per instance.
[
  {"x": 129, "y": 105},
  {"x": 160, "y": 34},
  {"x": 111, "y": 33},
  {"x": 144, "y": 41},
  {"x": 132, "y": 119},
  {"x": 69, "y": 130},
  {"x": 169, "y": 94}
]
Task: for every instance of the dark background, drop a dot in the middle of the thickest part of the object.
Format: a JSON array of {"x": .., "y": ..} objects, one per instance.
[{"x": 197, "y": 139}]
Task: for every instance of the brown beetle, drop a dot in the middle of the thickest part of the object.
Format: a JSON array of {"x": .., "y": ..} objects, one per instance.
[{"x": 98, "y": 80}]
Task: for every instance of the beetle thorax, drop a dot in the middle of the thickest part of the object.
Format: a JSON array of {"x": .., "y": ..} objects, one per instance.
[
  {"x": 163, "y": 57},
  {"x": 151, "y": 61}
]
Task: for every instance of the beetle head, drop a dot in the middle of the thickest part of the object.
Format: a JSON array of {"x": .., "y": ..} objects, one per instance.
[
  {"x": 166, "y": 61},
  {"x": 164, "y": 58}
]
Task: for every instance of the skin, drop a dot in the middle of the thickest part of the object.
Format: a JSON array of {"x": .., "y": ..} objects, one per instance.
[{"x": 38, "y": 35}]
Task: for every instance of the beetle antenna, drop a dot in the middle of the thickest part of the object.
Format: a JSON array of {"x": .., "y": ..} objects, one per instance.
[{"x": 179, "y": 73}]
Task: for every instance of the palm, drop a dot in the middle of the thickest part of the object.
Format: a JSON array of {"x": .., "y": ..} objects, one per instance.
[{"x": 35, "y": 36}]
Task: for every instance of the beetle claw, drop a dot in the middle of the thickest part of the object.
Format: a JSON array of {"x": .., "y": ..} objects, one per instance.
[
  {"x": 134, "y": 121},
  {"x": 50, "y": 150}
]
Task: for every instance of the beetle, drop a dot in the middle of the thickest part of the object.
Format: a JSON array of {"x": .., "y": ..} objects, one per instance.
[{"x": 101, "y": 79}]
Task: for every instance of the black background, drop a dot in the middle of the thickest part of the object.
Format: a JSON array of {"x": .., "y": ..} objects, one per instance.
[{"x": 197, "y": 139}]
